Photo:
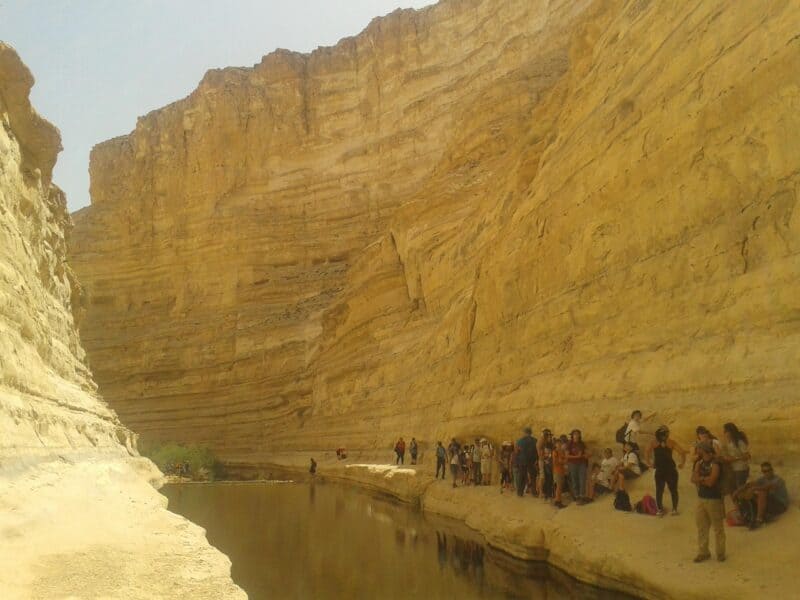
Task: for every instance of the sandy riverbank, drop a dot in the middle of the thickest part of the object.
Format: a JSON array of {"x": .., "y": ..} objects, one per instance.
[
  {"x": 645, "y": 556},
  {"x": 95, "y": 528}
]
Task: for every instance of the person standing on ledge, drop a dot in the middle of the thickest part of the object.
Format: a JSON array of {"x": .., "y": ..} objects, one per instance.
[
  {"x": 313, "y": 468},
  {"x": 476, "y": 463},
  {"x": 710, "y": 510},
  {"x": 413, "y": 448},
  {"x": 400, "y": 450},
  {"x": 441, "y": 455},
  {"x": 525, "y": 460}
]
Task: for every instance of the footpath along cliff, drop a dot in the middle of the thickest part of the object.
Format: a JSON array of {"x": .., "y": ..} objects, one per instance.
[
  {"x": 79, "y": 516},
  {"x": 465, "y": 219}
]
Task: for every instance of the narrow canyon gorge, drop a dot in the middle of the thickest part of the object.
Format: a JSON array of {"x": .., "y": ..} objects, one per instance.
[{"x": 464, "y": 219}]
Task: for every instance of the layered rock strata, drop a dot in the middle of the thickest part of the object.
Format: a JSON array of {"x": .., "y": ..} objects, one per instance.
[
  {"x": 75, "y": 496},
  {"x": 467, "y": 218}
]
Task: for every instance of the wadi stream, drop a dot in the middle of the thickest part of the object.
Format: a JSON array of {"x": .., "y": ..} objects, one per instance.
[{"x": 322, "y": 540}]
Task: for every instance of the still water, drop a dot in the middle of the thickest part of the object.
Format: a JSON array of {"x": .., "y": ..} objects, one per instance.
[{"x": 319, "y": 541}]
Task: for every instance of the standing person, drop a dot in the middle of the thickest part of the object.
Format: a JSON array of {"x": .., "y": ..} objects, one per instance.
[
  {"x": 634, "y": 427},
  {"x": 464, "y": 459},
  {"x": 476, "y": 463},
  {"x": 504, "y": 460},
  {"x": 736, "y": 453},
  {"x": 710, "y": 510},
  {"x": 559, "y": 469},
  {"x": 487, "y": 459},
  {"x": 666, "y": 473},
  {"x": 705, "y": 436},
  {"x": 313, "y": 467},
  {"x": 525, "y": 460},
  {"x": 441, "y": 456},
  {"x": 400, "y": 450},
  {"x": 455, "y": 466},
  {"x": 413, "y": 449},
  {"x": 545, "y": 443},
  {"x": 577, "y": 465}
]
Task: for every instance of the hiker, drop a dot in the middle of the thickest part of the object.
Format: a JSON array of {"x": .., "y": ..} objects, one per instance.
[
  {"x": 525, "y": 460},
  {"x": 659, "y": 455},
  {"x": 629, "y": 468},
  {"x": 504, "y": 460},
  {"x": 441, "y": 455},
  {"x": 736, "y": 454},
  {"x": 769, "y": 493},
  {"x": 577, "y": 465},
  {"x": 705, "y": 436},
  {"x": 545, "y": 442},
  {"x": 602, "y": 480},
  {"x": 313, "y": 468},
  {"x": 634, "y": 427},
  {"x": 710, "y": 510},
  {"x": 476, "y": 462},
  {"x": 464, "y": 460},
  {"x": 413, "y": 449},
  {"x": 559, "y": 468},
  {"x": 487, "y": 460},
  {"x": 400, "y": 450},
  {"x": 455, "y": 454}
]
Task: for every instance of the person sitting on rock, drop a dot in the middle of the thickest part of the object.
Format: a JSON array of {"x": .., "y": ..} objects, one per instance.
[
  {"x": 768, "y": 493},
  {"x": 629, "y": 468},
  {"x": 603, "y": 475}
]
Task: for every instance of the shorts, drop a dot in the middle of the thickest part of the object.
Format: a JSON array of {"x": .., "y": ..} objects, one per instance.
[{"x": 627, "y": 474}]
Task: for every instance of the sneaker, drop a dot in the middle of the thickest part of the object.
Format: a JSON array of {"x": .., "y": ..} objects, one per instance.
[
  {"x": 674, "y": 512},
  {"x": 659, "y": 513},
  {"x": 721, "y": 557},
  {"x": 701, "y": 558}
]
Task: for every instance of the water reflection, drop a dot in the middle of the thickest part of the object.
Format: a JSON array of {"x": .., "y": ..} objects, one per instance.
[{"x": 323, "y": 541}]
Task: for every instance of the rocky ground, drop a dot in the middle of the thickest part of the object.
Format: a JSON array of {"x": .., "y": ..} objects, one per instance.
[{"x": 95, "y": 528}]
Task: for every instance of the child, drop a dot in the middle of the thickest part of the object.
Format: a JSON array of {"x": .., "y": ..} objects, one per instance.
[{"x": 559, "y": 460}]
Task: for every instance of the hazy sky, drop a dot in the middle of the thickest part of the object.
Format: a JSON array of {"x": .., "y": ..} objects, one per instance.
[{"x": 99, "y": 64}]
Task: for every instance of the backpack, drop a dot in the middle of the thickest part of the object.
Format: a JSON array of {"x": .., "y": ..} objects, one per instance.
[
  {"x": 622, "y": 501},
  {"x": 646, "y": 506},
  {"x": 620, "y": 435}
]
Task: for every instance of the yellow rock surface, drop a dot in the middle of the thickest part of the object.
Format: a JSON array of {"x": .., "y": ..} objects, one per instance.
[
  {"x": 75, "y": 496},
  {"x": 467, "y": 218}
]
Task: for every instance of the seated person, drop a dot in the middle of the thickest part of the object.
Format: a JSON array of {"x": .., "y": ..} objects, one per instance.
[
  {"x": 768, "y": 493},
  {"x": 596, "y": 484},
  {"x": 605, "y": 477},
  {"x": 629, "y": 468}
]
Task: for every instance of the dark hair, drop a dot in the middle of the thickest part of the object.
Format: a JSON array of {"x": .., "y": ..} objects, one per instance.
[
  {"x": 766, "y": 464},
  {"x": 736, "y": 434},
  {"x": 702, "y": 429},
  {"x": 662, "y": 433},
  {"x": 528, "y": 430},
  {"x": 636, "y": 412}
]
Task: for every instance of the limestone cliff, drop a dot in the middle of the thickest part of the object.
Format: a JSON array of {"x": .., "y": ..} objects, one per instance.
[
  {"x": 75, "y": 496},
  {"x": 466, "y": 218}
]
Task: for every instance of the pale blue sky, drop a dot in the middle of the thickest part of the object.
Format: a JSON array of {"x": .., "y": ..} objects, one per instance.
[{"x": 99, "y": 64}]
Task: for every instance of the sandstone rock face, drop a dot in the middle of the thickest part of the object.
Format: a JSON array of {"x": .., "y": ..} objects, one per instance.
[
  {"x": 467, "y": 218},
  {"x": 75, "y": 496}
]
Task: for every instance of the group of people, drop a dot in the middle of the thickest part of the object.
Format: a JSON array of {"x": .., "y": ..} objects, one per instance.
[
  {"x": 400, "y": 451},
  {"x": 552, "y": 467}
]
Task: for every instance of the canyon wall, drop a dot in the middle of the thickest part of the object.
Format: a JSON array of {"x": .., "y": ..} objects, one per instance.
[
  {"x": 467, "y": 218},
  {"x": 75, "y": 495}
]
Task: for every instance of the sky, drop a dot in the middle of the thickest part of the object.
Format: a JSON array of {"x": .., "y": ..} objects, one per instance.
[{"x": 100, "y": 64}]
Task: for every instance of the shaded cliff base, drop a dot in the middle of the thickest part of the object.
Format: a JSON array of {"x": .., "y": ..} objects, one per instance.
[
  {"x": 644, "y": 556},
  {"x": 95, "y": 528}
]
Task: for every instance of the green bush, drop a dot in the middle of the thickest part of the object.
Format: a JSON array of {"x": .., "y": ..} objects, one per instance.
[{"x": 199, "y": 458}]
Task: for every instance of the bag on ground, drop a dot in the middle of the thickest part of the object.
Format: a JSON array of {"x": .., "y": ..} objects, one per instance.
[
  {"x": 647, "y": 506},
  {"x": 622, "y": 501}
]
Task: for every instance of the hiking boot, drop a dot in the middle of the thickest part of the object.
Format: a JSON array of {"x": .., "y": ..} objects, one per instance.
[{"x": 701, "y": 558}]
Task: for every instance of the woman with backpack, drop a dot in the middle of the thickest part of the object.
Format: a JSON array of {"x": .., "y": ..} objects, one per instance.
[{"x": 659, "y": 455}]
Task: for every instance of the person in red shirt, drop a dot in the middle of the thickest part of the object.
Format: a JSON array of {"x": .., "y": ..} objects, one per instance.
[{"x": 400, "y": 450}]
